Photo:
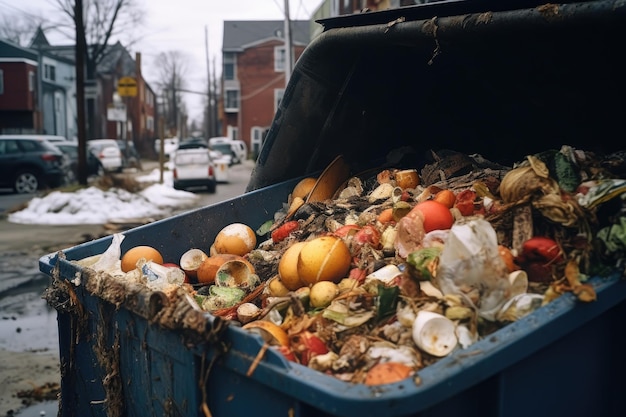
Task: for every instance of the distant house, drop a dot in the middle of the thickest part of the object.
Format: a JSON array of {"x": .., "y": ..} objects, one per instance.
[
  {"x": 102, "y": 94},
  {"x": 19, "y": 104},
  {"x": 253, "y": 75}
]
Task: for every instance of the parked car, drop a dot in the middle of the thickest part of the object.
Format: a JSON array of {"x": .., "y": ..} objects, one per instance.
[
  {"x": 94, "y": 166},
  {"x": 108, "y": 152},
  {"x": 194, "y": 167},
  {"x": 222, "y": 166},
  {"x": 240, "y": 149},
  {"x": 29, "y": 164},
  {"x": 226, "y": 146},
  {"x": 49, "y": 138},
  {"x": 191, "y": 143},
  {"x": 130, "y": 156},
  {"x": 169, "y": 146}
]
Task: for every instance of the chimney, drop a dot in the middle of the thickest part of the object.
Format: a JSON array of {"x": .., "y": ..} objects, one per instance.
[{"x": 138, "y": 64}]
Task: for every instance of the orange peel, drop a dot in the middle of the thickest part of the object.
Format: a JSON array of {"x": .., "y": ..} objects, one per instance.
[{"x": 271, "y": 333}]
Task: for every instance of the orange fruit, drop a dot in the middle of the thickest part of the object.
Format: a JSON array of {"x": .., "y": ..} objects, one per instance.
[
  {"x": 446, "y": 197},
  {"x": 325, "y": 258},
  {"x": 303, "y": 188},
  {"x": 205, "y": 273},
  {"x": 386, "y": 215},
  {"x": 270, "y": 332},
  {"x": 387, "y": 373},
  {"x": 437, "y": 216},
  {"x": 236, "y": 239},
  {"x": 507, "y": 257},
  {"x": 130, "y": 258},
  {"x": 288, "y": 267}
]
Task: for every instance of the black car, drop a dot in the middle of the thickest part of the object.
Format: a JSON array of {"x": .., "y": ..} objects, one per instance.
[
  {"x": 94, "y": 166},
  {"x": 31, "y": 164}
]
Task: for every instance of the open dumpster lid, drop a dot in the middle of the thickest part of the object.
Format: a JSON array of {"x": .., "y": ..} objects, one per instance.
[{"x": 503, "y": 84}]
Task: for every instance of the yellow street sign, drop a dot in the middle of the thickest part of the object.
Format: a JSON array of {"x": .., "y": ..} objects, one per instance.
[{"x": 127, "y": 87}]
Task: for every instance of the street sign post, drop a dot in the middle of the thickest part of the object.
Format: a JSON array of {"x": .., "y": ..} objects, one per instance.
[
  {"x": 127, "y": 87},
  {"x": 116, "y": 112}
]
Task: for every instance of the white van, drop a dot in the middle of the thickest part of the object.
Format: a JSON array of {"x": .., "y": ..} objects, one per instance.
[
  {"x": 235, "y": 148},
  {"x": 240, "y": 149}
]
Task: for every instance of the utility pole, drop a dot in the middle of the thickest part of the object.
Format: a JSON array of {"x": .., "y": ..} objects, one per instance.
[
  {"x": 81, "y": 48},
  {"x": 287, "y": 43},
  {"x": 209, "y": 113}
]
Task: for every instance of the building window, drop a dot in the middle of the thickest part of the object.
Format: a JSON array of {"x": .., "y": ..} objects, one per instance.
[
  {"x": 232, "y": 100},
  {"x": 256, "y": 139},
  {"x": 278, "y": 96},
  {"x": 1, "y": 81},
  {"x": 31, "y": 81},
  {"x": 229, "y": 66},
  {"x": 232, "y": 132},
  {"x": 49, "y": 72},
  {"x": 279, "y": 58},
  {"x": 149, "y": 123}
]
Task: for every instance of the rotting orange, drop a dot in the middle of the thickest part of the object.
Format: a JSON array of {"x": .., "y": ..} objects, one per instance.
[{"x": 445, "y": 197}]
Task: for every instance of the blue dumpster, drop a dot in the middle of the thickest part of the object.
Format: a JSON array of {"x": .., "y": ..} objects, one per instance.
[{"x": 500, "y": 80}]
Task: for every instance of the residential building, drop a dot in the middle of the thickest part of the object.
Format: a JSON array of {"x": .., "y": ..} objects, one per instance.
[
  {"x": 253, "y": 66},
  {"x": 253, "y": 75},
  {"x": 19, "y": 104},
  {"x": 101, "y": 94}
]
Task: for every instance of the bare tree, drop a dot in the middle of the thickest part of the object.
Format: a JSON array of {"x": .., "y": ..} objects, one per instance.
[
  {"x": 19, "y": 29},
  {"x": 94, "y": 24},
  {"x": 172, "y": 73},
  {"x": 104, "y": 21}
]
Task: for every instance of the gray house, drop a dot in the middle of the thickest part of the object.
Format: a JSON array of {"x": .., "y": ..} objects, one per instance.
[{"x": 57, "y": 86}]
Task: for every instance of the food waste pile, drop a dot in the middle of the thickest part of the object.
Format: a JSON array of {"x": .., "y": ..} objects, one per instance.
[{"x": 369, "y": 278}]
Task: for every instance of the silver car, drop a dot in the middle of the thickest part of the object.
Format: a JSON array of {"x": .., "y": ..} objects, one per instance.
[{"x": 108, "y": 152}]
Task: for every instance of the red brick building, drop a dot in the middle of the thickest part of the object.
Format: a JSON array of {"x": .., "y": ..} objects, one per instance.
[
  {"x": 18, "y": 89},
  {"x": 253, "y": 76}
]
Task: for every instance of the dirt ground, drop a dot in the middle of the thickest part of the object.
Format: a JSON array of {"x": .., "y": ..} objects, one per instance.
[{"x": 29, "y": 355}]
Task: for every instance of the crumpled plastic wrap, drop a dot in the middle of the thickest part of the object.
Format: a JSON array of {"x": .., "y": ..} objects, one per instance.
[{"x": 470, "y": 261}]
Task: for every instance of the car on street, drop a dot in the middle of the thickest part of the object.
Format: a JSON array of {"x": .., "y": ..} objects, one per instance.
[
  {"x": 228, "y": 147},
  {"x": 220, "y": 162},
  {"x": 169, "y": 146},
  {"x": 70, "y": 148},
  {"x": 194, "y": 167},
  {"x": 130, "y": 156},
  {"x": 108, "y": 152},
  {"x": 30, "y": 164}
]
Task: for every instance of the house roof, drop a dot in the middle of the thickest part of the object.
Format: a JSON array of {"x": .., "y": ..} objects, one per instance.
[
  {"x": 9, "y": 49},
  {"x": 238, "y": 34}
]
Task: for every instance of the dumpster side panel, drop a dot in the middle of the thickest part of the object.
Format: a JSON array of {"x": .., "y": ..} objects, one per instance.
[{"x": 503, "y": 84}]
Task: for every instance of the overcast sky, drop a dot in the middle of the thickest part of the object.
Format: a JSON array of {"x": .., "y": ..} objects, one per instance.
[{"x": 180, "y": 25}]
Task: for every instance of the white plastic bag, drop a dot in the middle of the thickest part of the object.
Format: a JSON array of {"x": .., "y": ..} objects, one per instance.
[{"x": 470, "y": 261}]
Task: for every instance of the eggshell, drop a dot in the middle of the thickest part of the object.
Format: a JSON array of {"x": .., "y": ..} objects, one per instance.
[
  {"x": 130, "y": 258},
  {"x": 288, "y": 267},
  {"x": 205, "y": 274},
  {"x": 325, "y": 258},
  {"x": 236, "y": 239},
  {"x": 302, "y": 189},
  {"x": 191, "y": 260}
]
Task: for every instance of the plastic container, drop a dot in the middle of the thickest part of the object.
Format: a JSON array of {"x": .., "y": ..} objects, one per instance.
[{"x": 502, "y": 83}]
